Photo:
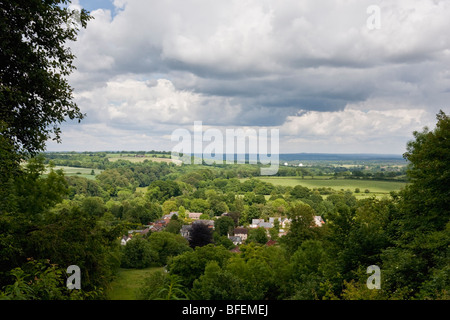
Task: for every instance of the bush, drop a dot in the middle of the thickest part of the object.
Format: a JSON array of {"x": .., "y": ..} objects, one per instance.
[
  {"x": 166, "y": 245},
  {"x": 138, "y": 254}
]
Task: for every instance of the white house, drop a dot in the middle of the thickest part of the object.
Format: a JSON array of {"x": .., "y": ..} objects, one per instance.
[
  {"x": 241, "y": 232},
  {"x": 318, "y": 221},
  {"x": 194, "y": 215}
]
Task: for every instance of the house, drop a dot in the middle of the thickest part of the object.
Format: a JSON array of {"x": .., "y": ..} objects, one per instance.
[
  {"x": 235, "y": 239},
  {"x": 209, "y": 223},
  {"x": 241, "y": 232},
  {"x": 194, "y": 215},
  {"x": 186, "y": 231},
  {"x": 265, "y": 225},
  {"x": 169, "y": 216},
  {"x": 284, "y": 223},
  {"x": 282, "y": 232},
  {"x": 125, "y": 239},
  {"x": 186, "y": 228},
  {"x": 158, "y": 225},
  {"x": 318, "y": 221},
  {"x": 257, "y": 223}
]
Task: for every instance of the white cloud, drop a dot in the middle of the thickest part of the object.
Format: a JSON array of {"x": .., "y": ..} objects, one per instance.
[
  {"x": 140, "y": 104},
  {"x": 354, "y": 130}
]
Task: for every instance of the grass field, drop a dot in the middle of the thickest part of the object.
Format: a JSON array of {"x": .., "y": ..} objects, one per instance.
[
  {"x": 376, "y": 188},
  {"x": 79, "y": 172},
  {"x": 142, "y": 159},
  {"x": 128, "y": 282}
]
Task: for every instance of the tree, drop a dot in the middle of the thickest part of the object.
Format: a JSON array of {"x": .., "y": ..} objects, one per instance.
[
  {"x": 199, "y": 205},
  {"x": 182, "y": 212},
  {"x": 224, "y": 225},
  {"x": 300, "y": 192},
  {"x": 257, "y": 235},
  {"x": 275, "y": 230},
  {"x": 35, "y": 97},
  {"x": 169, "y": 206},
  {"x": 167, "y": 244},
  {"x": 138, "y": 253},
  {"x": 426, "y": 199},
  {"x": 40, "y": 280},
  {"x": 191, "y": 264},
  {"x": 302, "y": 216},
  {"x": 174, "y": 225},
  {"x": 200, "y": 235},
  {"x": 94, "y": 205},
  {"x": 420, "y": 256},
  {"x": 309, "y": 263},
  {"x": 163, "y": 190},
  {"x": 218, "y": 284}
]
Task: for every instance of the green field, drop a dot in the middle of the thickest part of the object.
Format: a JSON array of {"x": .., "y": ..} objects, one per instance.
[
  {"x": 134, "y": 159},
  {"x": 376, "y": 188},
  {"x": 128, "y": 282},
  {"x": 79, "y": 172}
]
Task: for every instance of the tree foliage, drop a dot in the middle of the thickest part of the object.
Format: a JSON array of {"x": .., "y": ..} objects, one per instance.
[{"x": 35, "y": 96}]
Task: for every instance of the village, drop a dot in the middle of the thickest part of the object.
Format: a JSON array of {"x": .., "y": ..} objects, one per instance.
[{"x": 238, "y": 236}]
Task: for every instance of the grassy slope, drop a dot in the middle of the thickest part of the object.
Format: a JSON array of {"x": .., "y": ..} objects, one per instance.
[
  {"x": 128, "y": 282},
  {"x": 79, "y": 172}
]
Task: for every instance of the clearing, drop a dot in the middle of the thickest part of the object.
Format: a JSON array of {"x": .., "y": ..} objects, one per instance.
[{"x": 128, "y": 282}]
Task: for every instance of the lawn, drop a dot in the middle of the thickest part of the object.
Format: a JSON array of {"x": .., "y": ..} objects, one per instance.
[
  {"x": 79, "y": 172},
  {"x": 376, "y": 188},
  {"x": 128, "y": 282}
]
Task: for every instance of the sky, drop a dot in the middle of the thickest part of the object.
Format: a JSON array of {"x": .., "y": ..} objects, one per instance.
[{"x": 332, "y": 76}]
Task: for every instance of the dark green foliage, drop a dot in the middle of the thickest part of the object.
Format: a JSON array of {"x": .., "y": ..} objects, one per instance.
[
  {"x": 162, "y": 286},
  {"x": 163, "y": 190},
  {"x": 138, "y": 253},
  {"x": 167, "y": 245},
  {"x": 40, "y": 280},
  {"x": 257, "y": 235},
  {"x": 224, "y": 225},
  {"x": 300, "y": 192},
  {"x": 302, "y": 216},
  {"x": 190, "y": 265},
  {"x": 200, "y": 235},
  {"x": 35, "y": 97}
]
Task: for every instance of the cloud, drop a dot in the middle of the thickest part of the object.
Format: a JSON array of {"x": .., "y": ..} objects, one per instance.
[
  {"x": 146, "y": 66},
  {"x": 141, "y": 104},
  {"x": 353, "y": 129}
]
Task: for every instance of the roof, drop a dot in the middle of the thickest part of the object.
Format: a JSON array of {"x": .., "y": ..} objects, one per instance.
[
  {"x": 209, "y": 223},
  {"x": 265, "y": 224},
  {"x": 195, "y": 215},
  {"x": 235, "y": 238},
  {"x": 256, "y": 221},
  {"x": 240, "y": 230}
]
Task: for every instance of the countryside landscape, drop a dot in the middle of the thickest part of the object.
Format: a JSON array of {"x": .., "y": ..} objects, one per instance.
[{"x": 98, "y": 203}]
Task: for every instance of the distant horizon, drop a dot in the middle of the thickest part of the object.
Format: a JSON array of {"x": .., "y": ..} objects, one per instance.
[{"x": 361, "y": 154}]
